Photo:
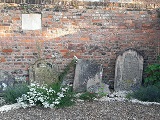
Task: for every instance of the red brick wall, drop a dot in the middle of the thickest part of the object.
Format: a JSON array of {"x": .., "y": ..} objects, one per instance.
[{"x": 89, "y": 34}]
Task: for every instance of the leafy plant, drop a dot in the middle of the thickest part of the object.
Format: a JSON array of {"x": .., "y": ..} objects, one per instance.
[
  {"x": 88, "y": 96},
  {"x": 68, "y": 100},
  {"x": 129, "y": 96},
  {"x": 66, "y": 70},
  {"x": 150, "y": 93},
  {"x": 101, "y": 92},
  {"x": 11, "y": 93},
  {"x": 43, "y": 95},
  {"x": 153, "y": 73},
  {"x": 157, "y": 85}
]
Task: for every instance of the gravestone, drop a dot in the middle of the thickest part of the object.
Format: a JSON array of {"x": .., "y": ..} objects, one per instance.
[
  {"x": 128, "y": 71},
  {"x": 6, "y": 79},
  {"x": 43, "y": 72},
  {"x": 88, "y": 76}
]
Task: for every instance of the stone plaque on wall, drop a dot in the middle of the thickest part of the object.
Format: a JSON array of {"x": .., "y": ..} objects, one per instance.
[
  {"x": 31, "y": 21},
  {"x": 128, "y": 71},
  {"x": 88, "y": 76},
  {"x": 43, "y": 72}
]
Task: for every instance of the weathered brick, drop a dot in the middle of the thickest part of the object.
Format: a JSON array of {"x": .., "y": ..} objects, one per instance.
[
  {"x": 5, "y": 24},
  {"x": 2, "y": 59},
  {"x": 50, "y": 16},
  {"x": 27, "y": 41},
  {"x": 1, "y": 27},
  {"x": 129, "y": 21},
  {"x": 64, "y": 20},
  {"x": 57, "y": 38},
  {"x": 18, "y": 63},
  {"x": 7, "y": 50},
  {"x": 146, "y": 26},
  {"x": 64, "y": 50},
  {"x": 15, "y": 18},
  {"x": 85, "y": 38}
]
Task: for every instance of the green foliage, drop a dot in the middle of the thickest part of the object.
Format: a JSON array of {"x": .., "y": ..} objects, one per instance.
[
  {"x": 11, "y": 93},
  {"x": 100, "y": 93},
  {"x": 66, "y": 70},
  {"x": 153, "y": 73},
  {"x": 150, "y": 93},
  {"x": 157, "y": 85},
  {"x": 47, "y": 96},
  {"x": 68, "y": 100},
  {"x": 129, "y": 96},
  {"x": 88, "y": 96},
  {"x": 55, "y": 86}
]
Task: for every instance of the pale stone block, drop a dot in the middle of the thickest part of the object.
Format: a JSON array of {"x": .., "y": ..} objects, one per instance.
[{"x": 31, "y": 21}]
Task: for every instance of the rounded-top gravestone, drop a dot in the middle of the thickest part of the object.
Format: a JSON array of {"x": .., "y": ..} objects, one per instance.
[
  {"x": 128, "y": 71},
  {"x": 43, "y": 72}
]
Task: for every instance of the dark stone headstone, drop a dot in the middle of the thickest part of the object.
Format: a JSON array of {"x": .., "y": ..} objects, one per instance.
[
  {"x": 6, "y": 79},
  {"x": 128, "y": 71},
  {"x": 88, "y": 76},
  {"x": 43, "y": 72}
]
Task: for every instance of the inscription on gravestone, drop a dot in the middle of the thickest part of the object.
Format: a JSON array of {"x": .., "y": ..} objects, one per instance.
[
  {"x": 88, "y": 76},
  {"x": 43, "y": 72},
  {"x": 128, "y": 71}
]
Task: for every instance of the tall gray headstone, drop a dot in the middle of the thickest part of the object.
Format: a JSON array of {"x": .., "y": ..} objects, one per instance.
[
  {"x": 88, "y": 76},
  {"x": 128, "y": 71},
  {"x": 43, "y": 72}
]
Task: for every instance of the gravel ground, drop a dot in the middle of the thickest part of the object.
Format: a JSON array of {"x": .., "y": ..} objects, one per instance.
[{"x": 96, "y": 110}]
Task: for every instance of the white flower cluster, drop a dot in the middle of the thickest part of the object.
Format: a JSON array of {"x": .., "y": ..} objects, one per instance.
[
  {"x": 4, "y": 86},
  {"x": 42, "y": 94}
]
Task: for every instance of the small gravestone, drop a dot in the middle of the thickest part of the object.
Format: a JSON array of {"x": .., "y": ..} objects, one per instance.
[
  {"x": 6, "y": 79},
  {"x": 43, "y": 72},
  {"x": 128, "y": 71},
  {"x": 88, "y": 76}
]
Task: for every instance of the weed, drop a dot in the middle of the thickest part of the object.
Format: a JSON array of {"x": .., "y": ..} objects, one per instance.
[
  {"x": 88, "y": 96},
  {"x": 150, "y": 93},
  {"x": 11, "y": 93},
  {"x": 153, "y": 73}
]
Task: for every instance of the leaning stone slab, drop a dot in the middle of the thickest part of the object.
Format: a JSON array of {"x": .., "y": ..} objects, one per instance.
[
  {"x": 128, "y": 71},
  {"x": 43, "y": 72},
  {"x": 88, "y": 76}
]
